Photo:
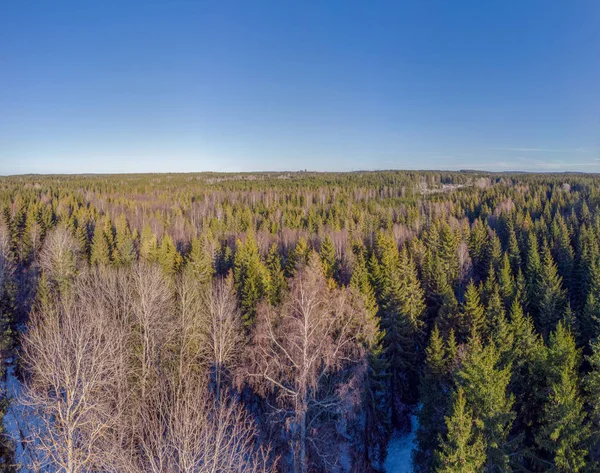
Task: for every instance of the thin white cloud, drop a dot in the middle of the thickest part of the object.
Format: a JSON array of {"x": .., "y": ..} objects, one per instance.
[{"x": 543, "y": 150}]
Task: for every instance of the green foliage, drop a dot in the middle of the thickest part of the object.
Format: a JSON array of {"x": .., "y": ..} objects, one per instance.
[
  {"x": 329, "y": 261},
  {"x": 463, "y": 448},
  {"x": 277, "y": 282},
  {"x": 251, "y": 277},
  {"x": 485, "y": 383},
  {"x": 167, "y": 255},
  {"x": 473, "y": 320}
]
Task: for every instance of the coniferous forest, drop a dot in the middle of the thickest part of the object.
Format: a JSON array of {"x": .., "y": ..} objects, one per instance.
[{"x": 299, "y": 322}]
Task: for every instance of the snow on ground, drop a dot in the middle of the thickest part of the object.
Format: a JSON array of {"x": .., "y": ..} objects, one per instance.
[
  {"x": 400, "y": 449},
  {"x": 14, "y": 417}
]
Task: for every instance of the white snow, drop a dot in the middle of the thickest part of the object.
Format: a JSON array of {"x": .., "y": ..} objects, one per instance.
[
  {"x": 13, "y": 419},
  {"x": 400, "y": 449}
]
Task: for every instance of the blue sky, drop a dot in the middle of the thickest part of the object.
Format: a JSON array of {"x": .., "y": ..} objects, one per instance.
[{"x": 172, "y": 85}]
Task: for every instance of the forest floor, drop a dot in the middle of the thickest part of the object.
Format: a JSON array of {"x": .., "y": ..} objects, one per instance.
[{"x": 400, "y": 449}]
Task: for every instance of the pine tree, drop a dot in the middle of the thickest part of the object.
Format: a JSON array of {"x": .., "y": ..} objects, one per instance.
[{"x": 463, "y": 448}]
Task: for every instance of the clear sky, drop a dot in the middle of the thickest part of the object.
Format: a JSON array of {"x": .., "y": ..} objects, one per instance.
[{"x": 172, "y": 85}]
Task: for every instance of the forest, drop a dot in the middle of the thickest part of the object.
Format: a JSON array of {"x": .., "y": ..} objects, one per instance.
[{"x": 299, "y": 322}]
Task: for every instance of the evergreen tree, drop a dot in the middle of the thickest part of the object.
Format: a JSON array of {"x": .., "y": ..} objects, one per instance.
[
  {"x": 478, "y": 248},
  {"x": 533, "y": 275},
  {"x": 563, "y": 250},
  {"x": 329, "y": 261},
  {"x": 514, "y": 253},
  {"x": 251, "y": 277},
  {"x": 200, "y": 260},
  {"x": 590, "y": 320},
  {"x": 551, "y": 298},
  {"x": 463, "y": 448},
  {"x": 167, "y": 255},
  {"x": 485, "y": 383},
  {"x": 435, "y": 384},
  {"x": 506, "y": 281},
  {"x": 297, "y": 257},
  {"x": 148, "y": 244},
  {"x": 564, "y": 433},
  {"x": 100, "y": 250},
  {"x": 377, "y": 425},
  {"x": 125, "y": 246},
  {"x": 592, "y": 389},
  {"x": 473, "y": 322},
  {"x": 277, "y": 282}
]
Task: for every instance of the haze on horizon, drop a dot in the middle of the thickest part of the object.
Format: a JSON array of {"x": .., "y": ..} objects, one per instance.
[{"x": 182, "y": 86}]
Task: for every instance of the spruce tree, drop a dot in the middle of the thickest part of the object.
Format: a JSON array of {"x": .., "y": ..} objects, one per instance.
[
  {"x": 168, "y": 256},
  {"x": 435, "y": 384},
  {"x": 485, "y": 383},
  {"x": 297, "y": 258},
  {"x": 277, "y": 281},
  {"x": 251, "y": 277},
  {"x": 148, "y": 244},
  {"x": 478, "y": 247},
  {"x": 592, "y": 388},
  {"x": 463, "y": 447},
  {"x": 473, "y": 321},
  {"x": 551, "y": 297},
  {"x": 506, "y": 281},
  {"x": 514, "y": 252},
  {"x": 329, "y": 261},
  {"x": 200, "y": 260},
  {"x": 564, "y": 434},
  {"x": 533, "y": 275},
  {"x": 100, "y": 250},
  {"x": 377, "y": 425},
  {"x": 125, "y": 246}
]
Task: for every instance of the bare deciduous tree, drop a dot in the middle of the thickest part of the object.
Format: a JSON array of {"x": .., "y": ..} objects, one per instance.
[
  {"x": 304, "y": 353},
  {"x": 153, "y": 327},
  {"x": 59, "y": 257},
  {"x": 69, "y": 353},
  {"x": 186, "y": 431},
  {"x": 221, "y": 340}
]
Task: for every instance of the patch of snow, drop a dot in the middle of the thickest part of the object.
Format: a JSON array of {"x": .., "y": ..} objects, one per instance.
[
  {"x": 399, "y": 454},
  {"x": 13, "y": 419},
  {"x": 18, "y": 420}
]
